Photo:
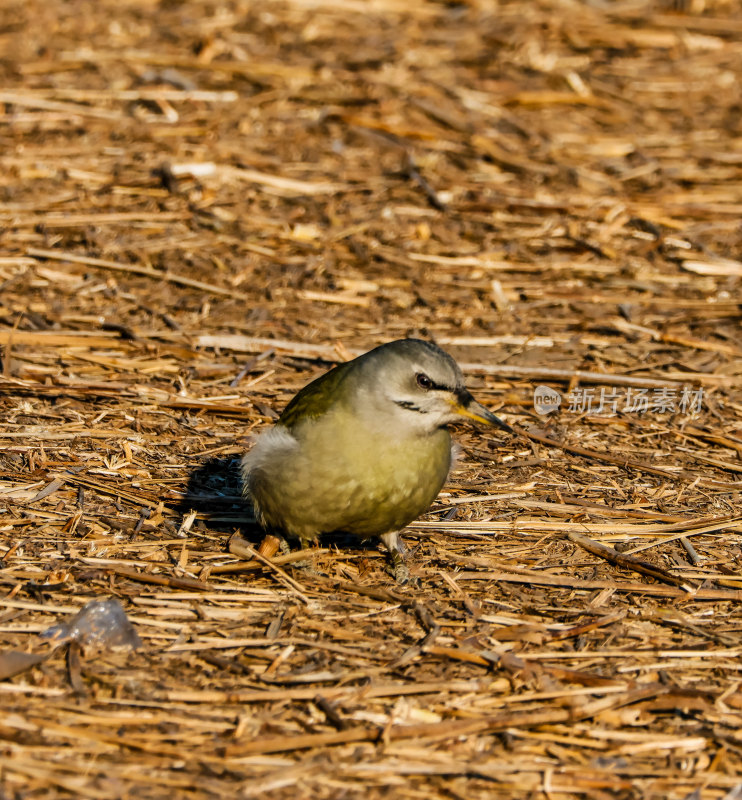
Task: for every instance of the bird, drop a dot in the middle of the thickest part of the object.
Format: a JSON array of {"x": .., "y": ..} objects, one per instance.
[{"x": 364, "y": 449}]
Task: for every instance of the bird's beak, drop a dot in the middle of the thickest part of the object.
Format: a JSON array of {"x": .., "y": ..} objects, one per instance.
[{"x": 466, "y": 406}]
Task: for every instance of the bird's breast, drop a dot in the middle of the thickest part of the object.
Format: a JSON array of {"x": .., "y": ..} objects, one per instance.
[{"x": 344, "y": 476}]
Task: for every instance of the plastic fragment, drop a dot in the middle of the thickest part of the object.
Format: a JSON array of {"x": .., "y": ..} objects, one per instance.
[{"x": 99, "y": 623}]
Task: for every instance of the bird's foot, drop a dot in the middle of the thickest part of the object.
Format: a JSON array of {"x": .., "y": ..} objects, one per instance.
[
  {"x": 397, "y": 568},
  {"x": 307, "y": 567}
]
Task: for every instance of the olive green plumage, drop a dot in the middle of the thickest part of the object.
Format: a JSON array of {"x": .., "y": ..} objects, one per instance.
[{"x": 363, "y": 449}]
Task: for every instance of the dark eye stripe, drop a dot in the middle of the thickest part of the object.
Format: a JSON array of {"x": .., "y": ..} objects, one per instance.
[{"x": 426, "y": 382}]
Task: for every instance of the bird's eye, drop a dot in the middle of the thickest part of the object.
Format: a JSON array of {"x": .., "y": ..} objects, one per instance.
[{"x": 423, "y": 381}]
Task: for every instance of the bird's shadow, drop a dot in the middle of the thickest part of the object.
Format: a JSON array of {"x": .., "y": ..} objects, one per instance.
[{"x": 214, "y": 490}]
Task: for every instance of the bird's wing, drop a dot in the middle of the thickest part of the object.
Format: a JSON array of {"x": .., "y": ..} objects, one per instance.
[{"x": 316, "y": 397}]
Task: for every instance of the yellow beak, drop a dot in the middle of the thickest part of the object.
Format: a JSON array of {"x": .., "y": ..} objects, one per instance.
[{"x": 466, "y": 406}]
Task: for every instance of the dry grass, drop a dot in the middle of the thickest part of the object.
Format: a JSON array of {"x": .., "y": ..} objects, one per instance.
[{"x": 204, "y": 206}]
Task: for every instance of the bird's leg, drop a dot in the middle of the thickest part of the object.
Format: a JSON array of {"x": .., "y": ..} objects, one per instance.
[
  {"x": 397, "y": 550},
  {"x": 308, "y": 567},
  {"x": 281, "y": 544}
]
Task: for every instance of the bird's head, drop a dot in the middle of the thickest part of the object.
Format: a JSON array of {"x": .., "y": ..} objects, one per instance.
[{"x": 413, "y": 385}]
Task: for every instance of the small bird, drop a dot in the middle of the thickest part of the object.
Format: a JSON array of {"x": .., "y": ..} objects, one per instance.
[{"x": 363, "y": 449}]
